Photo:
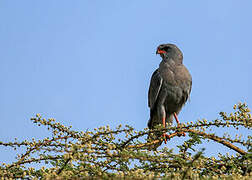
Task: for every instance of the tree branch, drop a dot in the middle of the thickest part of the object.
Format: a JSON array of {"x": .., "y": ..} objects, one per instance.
[{"x": 209, "y": 136}]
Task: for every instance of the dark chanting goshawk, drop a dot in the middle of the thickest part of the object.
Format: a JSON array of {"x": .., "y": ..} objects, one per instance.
[{"x": 169, "y": 89}]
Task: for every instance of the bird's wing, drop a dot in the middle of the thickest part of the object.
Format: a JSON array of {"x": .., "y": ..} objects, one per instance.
[
  {"x": 185, "y": 82},
  {"x": 187, "y": 90},
  {"x": 155, "y": 86}
]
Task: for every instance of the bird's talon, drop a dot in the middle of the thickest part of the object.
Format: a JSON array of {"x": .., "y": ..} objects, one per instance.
[
  {"x": 168, "y": 136},
  {"x": 165, "y": 135},
  {"x": 181, "y": 133}
]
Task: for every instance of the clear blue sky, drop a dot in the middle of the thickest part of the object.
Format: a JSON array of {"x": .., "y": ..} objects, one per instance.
[{"x": 89, "y": 63}]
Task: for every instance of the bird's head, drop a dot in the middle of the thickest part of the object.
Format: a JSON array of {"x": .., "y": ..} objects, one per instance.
[{"x": 170, "y": 52}]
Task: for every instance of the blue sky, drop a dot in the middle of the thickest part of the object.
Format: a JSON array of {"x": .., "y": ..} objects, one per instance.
[{"x": 89, "y": 63}]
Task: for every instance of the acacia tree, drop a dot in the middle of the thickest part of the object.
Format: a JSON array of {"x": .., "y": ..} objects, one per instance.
[{"x": 124, "y": 152}]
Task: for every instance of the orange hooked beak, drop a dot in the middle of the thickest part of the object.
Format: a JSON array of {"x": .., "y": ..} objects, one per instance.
[{"x": 160, "y": 51}]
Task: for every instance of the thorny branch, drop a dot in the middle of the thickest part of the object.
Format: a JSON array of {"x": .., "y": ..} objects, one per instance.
[{"x": 104, "y": 151}]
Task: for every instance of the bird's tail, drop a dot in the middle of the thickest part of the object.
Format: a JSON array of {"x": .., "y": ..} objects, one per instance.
[
  {"x": 152, "y": 137},
  {"x": 154, "y": 123}
]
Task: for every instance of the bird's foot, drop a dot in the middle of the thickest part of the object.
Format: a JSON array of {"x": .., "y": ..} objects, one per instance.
[
  {"x": 182, "y": 133},
  {"x": 166, "y": 136}
]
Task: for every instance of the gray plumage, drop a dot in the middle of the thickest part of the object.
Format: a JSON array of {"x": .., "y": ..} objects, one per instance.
[{"x": 169, "y": 89}]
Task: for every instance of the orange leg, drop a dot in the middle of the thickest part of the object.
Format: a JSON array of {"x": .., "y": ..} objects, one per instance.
[
  {"x": 165, "y": 135},
  {"x": 176, "y": 117}
]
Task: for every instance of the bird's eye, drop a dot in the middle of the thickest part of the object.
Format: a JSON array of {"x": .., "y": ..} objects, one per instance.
[{"x": 167, "y": 48}]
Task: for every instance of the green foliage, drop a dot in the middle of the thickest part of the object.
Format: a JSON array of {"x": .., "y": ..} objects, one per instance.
[{"x": 123, "y": 152}]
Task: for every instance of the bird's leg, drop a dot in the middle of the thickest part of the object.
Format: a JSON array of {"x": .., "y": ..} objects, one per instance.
[
  {"x": 176, "y": 117},
  {"x": 164, "y": 134}
]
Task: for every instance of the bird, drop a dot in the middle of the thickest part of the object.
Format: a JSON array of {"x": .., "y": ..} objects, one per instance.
[{"x": 169, "y": 89}]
